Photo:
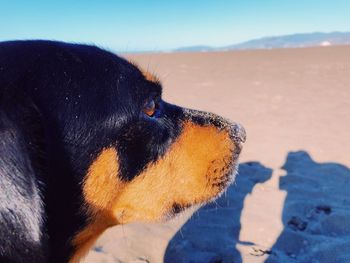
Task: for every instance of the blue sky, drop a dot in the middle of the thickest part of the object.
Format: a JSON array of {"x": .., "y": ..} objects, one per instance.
[{"x": 132, "y": 25}]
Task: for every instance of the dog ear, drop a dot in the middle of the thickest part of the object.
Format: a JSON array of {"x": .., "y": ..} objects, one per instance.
[{"x": 21, "y": 208}]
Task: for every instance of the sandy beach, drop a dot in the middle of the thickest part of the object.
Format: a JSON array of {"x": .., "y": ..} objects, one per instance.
[{"x": 291, "y": 199}]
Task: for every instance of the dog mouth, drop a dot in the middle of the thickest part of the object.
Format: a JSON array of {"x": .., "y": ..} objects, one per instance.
[
  {"x": 227, "y": 173},
  {"x": 229, "y": 167},
  {"x": 220, "y": 175}
]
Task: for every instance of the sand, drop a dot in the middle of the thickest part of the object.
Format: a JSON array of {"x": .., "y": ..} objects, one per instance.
[{"x": 291, "y": 199}]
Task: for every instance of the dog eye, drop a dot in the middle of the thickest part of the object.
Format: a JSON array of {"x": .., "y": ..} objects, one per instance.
[{"x": 149, "y": 108}]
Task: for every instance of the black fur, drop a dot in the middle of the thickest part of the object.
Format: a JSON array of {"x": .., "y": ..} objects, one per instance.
[{"x": 60, "y": 105}]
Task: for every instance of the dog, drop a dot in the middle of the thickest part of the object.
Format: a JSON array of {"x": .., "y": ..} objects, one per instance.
[{"x": 86, "y": 142}]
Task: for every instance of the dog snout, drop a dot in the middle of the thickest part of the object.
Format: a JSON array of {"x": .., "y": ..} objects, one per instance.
[{"x": 236, "y": 131}]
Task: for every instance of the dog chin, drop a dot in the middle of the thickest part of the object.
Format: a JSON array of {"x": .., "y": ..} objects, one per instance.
[{"x": 228, "y": 179}]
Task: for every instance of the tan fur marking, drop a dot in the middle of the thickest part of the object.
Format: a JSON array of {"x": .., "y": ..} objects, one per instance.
[
  {"x": 85, "y": 239},
  {"x": 100, "y": 189},
  {"x": 185, "y": 175},
  {"x": 102, "y": 183},
  {"x": 148, "y": 75}
]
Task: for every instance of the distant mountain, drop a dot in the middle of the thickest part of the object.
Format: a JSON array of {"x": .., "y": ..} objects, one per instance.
[
  {"x": 295, "y": 40},
  {"x": 195, "y": 49},
  {"x": 286, "y": 41}
]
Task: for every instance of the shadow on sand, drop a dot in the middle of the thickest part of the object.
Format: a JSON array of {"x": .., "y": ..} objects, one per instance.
[
  {"x": 316, "y": 217},
  {"x": 213, "y": 231},
  {"x": 316, "y": 212}
]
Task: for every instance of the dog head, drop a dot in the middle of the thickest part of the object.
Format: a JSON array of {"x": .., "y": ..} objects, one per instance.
[
  {"x": 108, "y": 131},
  {"x": 163, "y": 163},
  {"x": 163, "y": 159}
]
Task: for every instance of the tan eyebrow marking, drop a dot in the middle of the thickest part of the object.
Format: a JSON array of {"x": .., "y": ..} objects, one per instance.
[{"x": 147, "y": 75}]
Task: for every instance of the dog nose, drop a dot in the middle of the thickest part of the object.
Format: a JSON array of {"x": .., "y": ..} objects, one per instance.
[{"x": 238, "y": 133}]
